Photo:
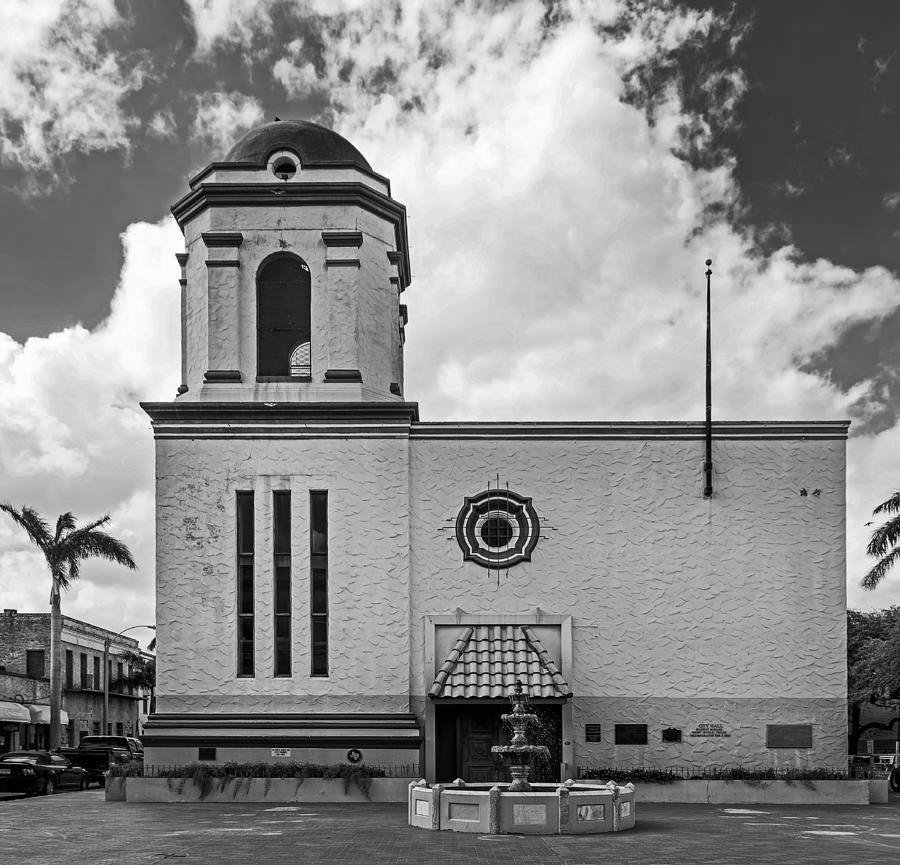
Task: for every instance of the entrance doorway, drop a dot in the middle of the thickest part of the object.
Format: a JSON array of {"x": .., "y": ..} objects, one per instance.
[{"x": 465, "y": 733}]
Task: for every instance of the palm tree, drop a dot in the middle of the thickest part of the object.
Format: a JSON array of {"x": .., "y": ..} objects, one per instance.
[
  {"x": 885, "y": 542},
  {"x": 64, "y": 549},
  {"x": 142, "y": 674}
]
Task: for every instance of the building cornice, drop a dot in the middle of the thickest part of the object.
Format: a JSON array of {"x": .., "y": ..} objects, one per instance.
[
  {"x": 307, "y": 165},
  {"x": 626, "y": 430},
  {"x": 256, "y": 420},
  {"x": 298, "y": 195},
  {"x": 401, "y": 420}
]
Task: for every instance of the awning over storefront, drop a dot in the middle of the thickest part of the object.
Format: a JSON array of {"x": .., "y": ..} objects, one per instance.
[
  {"x": 488, "y": 660},
  {"x": 14, "y": 713},
  {"x": 40, "y": 714}
]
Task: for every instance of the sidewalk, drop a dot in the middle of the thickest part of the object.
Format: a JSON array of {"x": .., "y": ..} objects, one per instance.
[{"x": 84, "y": 828}]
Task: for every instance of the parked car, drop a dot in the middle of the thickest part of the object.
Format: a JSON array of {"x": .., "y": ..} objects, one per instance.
[
  {"x": 33, "y": 772},
  {"x": 97, "y": 753}
]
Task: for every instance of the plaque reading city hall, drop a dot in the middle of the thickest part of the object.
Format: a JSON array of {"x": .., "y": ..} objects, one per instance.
[{"x": 709, "y": 731}]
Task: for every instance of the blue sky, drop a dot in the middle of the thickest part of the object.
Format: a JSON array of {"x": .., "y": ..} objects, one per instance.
[{"x": 567, "y": 166}]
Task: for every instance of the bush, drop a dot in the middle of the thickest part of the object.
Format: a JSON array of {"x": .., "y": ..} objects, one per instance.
[
  {"x": 713, "y": 773},
  {"x": 630, "y": 776},
  {"x": 205, "y": 774}
]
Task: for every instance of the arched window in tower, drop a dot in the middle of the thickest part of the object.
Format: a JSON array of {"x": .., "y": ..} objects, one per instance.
[
  {"x": 283, "y": 318},
  {"x": 300, "y": 365}
]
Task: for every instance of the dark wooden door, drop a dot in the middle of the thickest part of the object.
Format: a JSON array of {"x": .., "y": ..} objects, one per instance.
[
  {"x": 479, "y": 731},
  {"x": 465, "y": 734}
]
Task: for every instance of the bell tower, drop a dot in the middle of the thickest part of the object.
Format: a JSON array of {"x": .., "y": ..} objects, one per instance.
[
  {"x": 282, "y": 465},
  {"x": 295, "y": 258}
]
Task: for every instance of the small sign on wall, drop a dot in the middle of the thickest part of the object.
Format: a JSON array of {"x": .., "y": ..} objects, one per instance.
[
  {"x": 592, "y": 733},
  {"x": 281, "y": 752},
  {"x": 354, "y": 755},
  {"x": 709, "y": 731}
]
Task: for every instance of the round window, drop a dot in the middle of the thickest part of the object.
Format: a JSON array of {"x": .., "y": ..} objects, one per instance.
[
  {"x": 284, "y": 168},
  {"x": 497, "y": 529}
]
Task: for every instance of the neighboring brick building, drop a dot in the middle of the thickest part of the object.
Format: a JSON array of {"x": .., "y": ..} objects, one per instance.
[{"x": 25, "y": 681}]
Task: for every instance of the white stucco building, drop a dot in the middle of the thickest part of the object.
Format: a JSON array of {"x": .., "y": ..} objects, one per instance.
[{"x": 337, "y": 577}]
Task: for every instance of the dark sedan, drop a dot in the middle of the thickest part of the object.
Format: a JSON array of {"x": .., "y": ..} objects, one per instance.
[{"x": 33, "y": 772}]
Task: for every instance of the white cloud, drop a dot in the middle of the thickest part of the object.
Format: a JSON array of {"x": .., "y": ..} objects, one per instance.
[
  {"x": 557, "y": 274},
  {"x": 217, "y": 21},
  {"x": 61, "y": 88},
  {"x": 221, "y": 118},
  {"x": 296, "y": 76},
  {"x": 557, "y": 269},
  {"x": 162, "y": 124},
  {"x": 73, "y": 437}
]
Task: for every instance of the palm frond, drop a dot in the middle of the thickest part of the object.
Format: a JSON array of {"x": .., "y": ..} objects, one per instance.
[
  {"x": 84, "y": 544},
  {"x": 129, "y": 656},
  {"x": 884, "y": 537},
  {"x": 874, "y": 577},
  {"x": 32, "y": 522},
  {"x": 65, "y": 522},
  {"x": 143, "y": 671},
  {"x": 72, "y": 572},
  {"x": 95, "y": 524},
  {"x": 891, "y": 506}
]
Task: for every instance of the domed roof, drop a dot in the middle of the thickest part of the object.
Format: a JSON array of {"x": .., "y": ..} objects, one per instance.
[{"x": 314, "y": 144}]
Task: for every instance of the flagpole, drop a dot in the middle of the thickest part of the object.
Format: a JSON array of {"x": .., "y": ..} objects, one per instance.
[{"x": 707, "y": 465}]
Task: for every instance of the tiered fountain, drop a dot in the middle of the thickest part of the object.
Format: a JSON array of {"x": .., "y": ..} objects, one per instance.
[
  {"x": 520, "y": 807},
  {"x": 519, "y": 754}
]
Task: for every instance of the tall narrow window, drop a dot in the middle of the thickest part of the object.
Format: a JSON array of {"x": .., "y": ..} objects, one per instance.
[
  {"x": 281, "y": 506},
  {"x": 283, "y": 318},
  {"x": 245, "y": 550},
  {"x": 97, "y": 685},
  {"x": 34, "y": 663},
  {"x": 84, "y": 672},
  {"x": 70, "y": 669},
  {"x": 318, "y": 581}
]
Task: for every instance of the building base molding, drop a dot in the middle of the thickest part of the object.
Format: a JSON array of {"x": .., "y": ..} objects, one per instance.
[{"x": 318, "y": 738}]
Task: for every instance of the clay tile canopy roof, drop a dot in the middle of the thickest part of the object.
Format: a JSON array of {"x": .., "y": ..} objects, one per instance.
[
  {"x": 486, "y": 661},
  {"x": 314, "y": 144}
]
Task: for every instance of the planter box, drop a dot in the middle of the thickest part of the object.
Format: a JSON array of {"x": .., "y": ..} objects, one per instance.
[
  {"x": 114, "y": 789},
  {"x": 756, "y": 792},
  {"x": 265, "y": 790},
  {"x": 878, "y": 790}
]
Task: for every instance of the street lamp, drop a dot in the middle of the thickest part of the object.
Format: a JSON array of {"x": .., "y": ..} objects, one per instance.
[{"x": 106, "y": 642}]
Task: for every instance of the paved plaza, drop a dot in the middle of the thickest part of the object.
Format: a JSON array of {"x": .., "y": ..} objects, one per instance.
[{"x": 84, "y": 828}]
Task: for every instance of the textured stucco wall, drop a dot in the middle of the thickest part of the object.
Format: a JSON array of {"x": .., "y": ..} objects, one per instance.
[
  {"x": 684, "y": 611},
  {"x": 743, "y": 720},
  {"x": 673, "y": 597},
  {"x": 348, "y": 306},
  {"x": 367, "y": 484}
]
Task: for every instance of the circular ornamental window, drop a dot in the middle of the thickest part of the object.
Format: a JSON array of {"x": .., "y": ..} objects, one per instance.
[{"x": 497, "y": 529}]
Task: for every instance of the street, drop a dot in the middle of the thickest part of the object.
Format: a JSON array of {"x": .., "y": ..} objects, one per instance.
[{"x": 83, "y": 827}]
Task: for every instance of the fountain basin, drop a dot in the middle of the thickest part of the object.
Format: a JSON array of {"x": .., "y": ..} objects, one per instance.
[{"x": 547, "y": 809}]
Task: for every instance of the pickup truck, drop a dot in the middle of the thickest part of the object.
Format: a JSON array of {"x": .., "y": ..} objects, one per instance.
[
  {"x": 97, "y": 753},
  {"x": 885, "y": 765}
]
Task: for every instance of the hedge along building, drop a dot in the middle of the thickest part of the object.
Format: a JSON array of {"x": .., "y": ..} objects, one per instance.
[{"x": 338, "y": 580}]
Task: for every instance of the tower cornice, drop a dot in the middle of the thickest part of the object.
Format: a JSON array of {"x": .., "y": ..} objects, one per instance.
[
  {"x": 282, "y": 419},
  {"x": 298, "y": 195}
]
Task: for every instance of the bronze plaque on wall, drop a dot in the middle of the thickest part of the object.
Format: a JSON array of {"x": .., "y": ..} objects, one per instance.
[
  {"x": 789, "y": 736},
  {"x": 591, "y": 732}
]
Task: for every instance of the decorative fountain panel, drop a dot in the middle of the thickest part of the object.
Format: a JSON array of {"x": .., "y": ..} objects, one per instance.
[{"x": 520, "y": 807}]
